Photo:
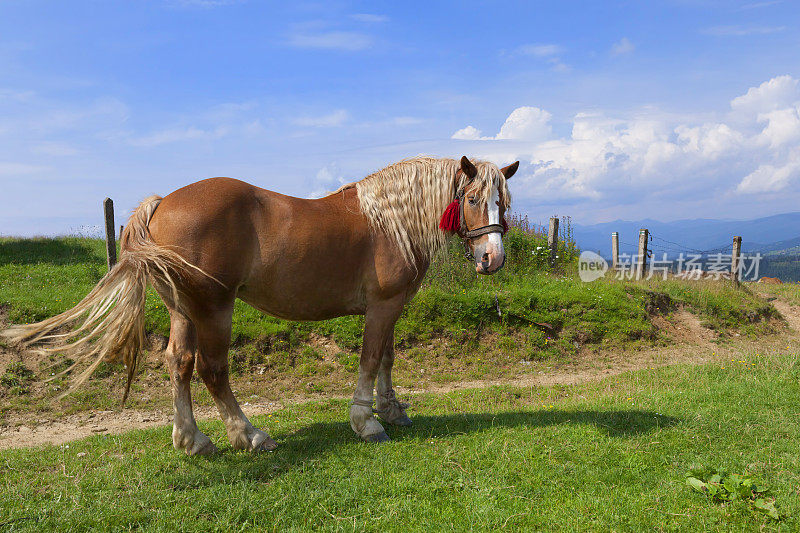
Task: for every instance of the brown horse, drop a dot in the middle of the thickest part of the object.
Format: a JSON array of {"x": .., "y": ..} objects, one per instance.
[{"x": 361, "y": 250}]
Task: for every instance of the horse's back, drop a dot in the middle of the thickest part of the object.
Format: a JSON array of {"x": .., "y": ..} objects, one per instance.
[
  {"x": 215, "y": 196},
  {"x": 291, "y": 257}
]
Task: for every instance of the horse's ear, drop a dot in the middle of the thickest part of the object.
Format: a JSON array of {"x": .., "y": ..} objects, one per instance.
[
  {"x": 510, "y": 170},
  {"x": 468, "y": 168}
]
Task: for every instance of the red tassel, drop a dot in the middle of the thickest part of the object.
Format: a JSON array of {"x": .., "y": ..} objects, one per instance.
[
  {"x": 451, "y": 219},
  {"x": 505, "y": 225}
]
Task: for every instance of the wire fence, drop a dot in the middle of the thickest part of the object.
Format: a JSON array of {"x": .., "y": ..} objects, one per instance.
[{"x": 680, "y": 258}]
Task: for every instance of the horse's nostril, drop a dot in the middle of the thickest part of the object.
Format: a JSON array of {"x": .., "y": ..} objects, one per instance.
[{"x": 485, "y": 257}]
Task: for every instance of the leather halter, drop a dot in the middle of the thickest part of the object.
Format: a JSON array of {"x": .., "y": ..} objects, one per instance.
[{"x": 467, "y": 234}]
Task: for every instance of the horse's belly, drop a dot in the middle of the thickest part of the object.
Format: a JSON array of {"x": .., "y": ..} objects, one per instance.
[{"x": 304, "y": 302}]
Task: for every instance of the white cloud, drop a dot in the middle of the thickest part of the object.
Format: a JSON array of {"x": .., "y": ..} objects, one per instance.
[
  {"x": 16, "y": 169},
  {"x": 469, "y": 133},
  {"x": 369, "y": 18},
  {"x": 742, "y": 31},
  {"x": 331, "y": 40},
  {"x": 335, "y": 118},
  {"x": 623, "y": 46},
  {"x": 776, "y": 93},
  {"x": 783, "y": 126},
  {"x": 41, "y": 116},
  {"x": 405, "y": 121},
  {"x": 759, "y": 5},
  {"x": 526, "y": 123},
  {"x": 540, "y": 50},
  {"x": 556, "y": 65},
  {"x": 56, "y": 149},
  {"x": 550, "y": 53},
  {"x": 651, "y": 156},
  {"x": 708, "y": 140},
  {"x": 328, "y": 179},
  {"x": 173, "y": 135},
  {"x": 221, "y": 121},
  {"x": 769, "y": 178},
  {"x": 523, "y": 124},
  {"x": 17, "y": 96},
  {"x": 204, "y": 3}
]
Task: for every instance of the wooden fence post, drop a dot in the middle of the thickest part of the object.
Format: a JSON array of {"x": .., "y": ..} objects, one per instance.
[
  {"x": 614, "y": 250},
  {"x": 736, "y": 258},
  {"x": 641, "y": 260},
  {"x": 121, "y": 227},
  {"x": 552, "y": 239},
  {"x": 111, "y": 242}
]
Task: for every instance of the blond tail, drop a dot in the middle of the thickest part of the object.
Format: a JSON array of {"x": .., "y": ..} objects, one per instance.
[{"x": 108, "y": 324}]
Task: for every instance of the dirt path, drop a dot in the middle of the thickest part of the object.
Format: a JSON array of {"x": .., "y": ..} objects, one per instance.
[
  {"x": 78, "y": 426},
  {"x": 693, "y": 344},
  {"x": 790, "y": 312}
]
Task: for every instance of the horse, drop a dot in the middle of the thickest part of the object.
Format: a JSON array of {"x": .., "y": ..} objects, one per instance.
[{"x": 361, "y": 250}]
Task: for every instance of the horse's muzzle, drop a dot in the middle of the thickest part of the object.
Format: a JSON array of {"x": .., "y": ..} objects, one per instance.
[{"x": 490, "y": 263}]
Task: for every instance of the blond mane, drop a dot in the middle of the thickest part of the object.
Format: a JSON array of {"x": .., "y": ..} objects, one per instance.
[{"x": 406, "y": 200}]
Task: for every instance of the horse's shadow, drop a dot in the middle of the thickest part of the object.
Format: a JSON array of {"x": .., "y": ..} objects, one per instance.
[
  {"x": 44, "y": 250},
  {"x": 321, "y": 438}
]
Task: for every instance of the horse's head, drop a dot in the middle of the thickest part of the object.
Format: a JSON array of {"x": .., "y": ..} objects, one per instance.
[{"x": 481, "y": 221}]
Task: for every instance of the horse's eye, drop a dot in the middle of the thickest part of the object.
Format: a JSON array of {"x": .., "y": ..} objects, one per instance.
[{"x": 472, "y": 200}]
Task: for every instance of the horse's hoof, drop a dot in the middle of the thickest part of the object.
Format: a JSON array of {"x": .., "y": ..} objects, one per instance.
[
  {"x": 209, "y": 448},
  {"x": 403, "y": 421},
  {"x": 253, "y": 440},
  {"x": 192, "y": 442},
  {"x": 376, "y": 437},
  {"x": 267, "y": 445}
]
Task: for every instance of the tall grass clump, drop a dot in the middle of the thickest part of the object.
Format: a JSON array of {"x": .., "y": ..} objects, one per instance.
[
  {"x": 527, "y": 254},
  {"x": 720, "y": 304}
]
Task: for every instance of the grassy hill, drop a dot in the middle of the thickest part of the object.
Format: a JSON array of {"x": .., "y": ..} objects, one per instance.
[
  {"x": 458, "y": 327},
  {"x": 604, "y": 455}
]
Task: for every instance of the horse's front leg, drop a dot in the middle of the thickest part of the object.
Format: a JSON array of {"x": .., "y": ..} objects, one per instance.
[
  {"x": 388, "y": 407},
  {"x": 378, "y": 328}
]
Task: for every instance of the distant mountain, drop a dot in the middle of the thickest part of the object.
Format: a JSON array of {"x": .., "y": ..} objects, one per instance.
[
  {"x": 772, "y": 234},
  {"x": 787, "y": 247}
]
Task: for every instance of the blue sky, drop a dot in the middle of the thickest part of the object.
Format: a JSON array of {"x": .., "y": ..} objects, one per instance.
[{"x": 667, "y": 110}]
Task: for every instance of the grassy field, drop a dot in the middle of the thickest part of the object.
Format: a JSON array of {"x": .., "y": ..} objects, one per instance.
[
  {"x": 790, "y": 292},
  {"x": 458, "y": 327},
  {"x": 608, "y": 455},
  {"x": 40, "y": 278},
  {"x": 605, "y": 456}
]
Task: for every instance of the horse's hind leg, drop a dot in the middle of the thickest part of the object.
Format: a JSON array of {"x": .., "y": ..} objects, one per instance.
[
  {"x": 214, "y": 336},
  {"x": 179, "y": 356}
]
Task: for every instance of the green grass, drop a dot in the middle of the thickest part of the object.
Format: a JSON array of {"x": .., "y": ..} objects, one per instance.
[
  {"x": 722, "y": 305},
  {"x": 605, "y": 456},
  {"x": 41, "y": 277},
  {"x": 459, "y": 326},
  {"x": 787, "y": 291}
]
